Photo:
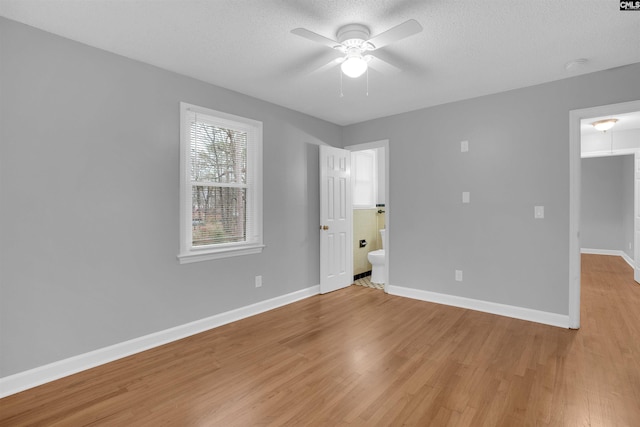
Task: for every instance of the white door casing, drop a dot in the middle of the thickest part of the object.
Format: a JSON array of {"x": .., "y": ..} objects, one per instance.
[
  {"x": 336, "y": 261},
  {"x": 575, "y": 116},
  {"x": 636, "y": 217}
]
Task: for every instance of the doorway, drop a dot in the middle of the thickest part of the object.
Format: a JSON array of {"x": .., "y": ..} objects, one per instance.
[
  {"x": 576, "y": 118},
  {"x": 607, "y": 205},
  {"x": 378, "y": 208}
]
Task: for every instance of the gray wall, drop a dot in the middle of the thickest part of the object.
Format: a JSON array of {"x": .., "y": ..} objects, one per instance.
[
  {"x": 89, "y": 188},
  {"x": 518, "y": 158},
  {"x": 605, "y": 209}
]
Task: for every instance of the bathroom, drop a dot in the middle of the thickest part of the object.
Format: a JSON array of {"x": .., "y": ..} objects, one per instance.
[{"x": 369, "y": 216}]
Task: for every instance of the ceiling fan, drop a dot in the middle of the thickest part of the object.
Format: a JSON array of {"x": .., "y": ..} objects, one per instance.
[{"x": 354, "y": 41}]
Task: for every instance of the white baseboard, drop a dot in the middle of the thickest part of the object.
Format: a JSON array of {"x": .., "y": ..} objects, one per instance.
[
  {"x": 613, "y": 252},
  {"x": 53, "y": 371},
  {"x": 628, "y": 259},
  {"x": 522, "y": 313}
]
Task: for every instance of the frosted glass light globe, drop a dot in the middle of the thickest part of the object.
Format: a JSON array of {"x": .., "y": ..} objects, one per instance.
[
  {"x": 604, "y": 125},
  {"x": 354, "y": 66}
]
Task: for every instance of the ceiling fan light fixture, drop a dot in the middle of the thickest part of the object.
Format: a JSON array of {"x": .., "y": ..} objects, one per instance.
[
  {"x": 604, "y": 125},
  {"x": 354, "y": 40},
  {"x": 354, "y": 66}
]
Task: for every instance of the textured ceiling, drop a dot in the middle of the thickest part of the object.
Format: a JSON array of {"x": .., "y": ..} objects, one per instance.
[{"x": 468, "y": 47}]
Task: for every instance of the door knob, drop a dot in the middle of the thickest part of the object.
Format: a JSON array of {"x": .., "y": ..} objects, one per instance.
[{"x": 324, "y": 227}]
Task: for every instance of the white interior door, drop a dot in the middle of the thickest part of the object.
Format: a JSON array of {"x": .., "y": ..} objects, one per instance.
[
  {"x": 636, "y": 218},
  {"x": 336, "y": 270}
]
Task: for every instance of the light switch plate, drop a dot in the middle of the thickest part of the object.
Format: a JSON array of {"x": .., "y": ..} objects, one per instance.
[
  {"x": 466, "y": 197},
  {"x": 464, "y": 146},
  {"x": 458, "y": 275},
  {"x": 538, "y": 212}
]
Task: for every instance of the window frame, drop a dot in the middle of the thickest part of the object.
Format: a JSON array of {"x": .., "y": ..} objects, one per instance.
[
  {"x": 254, "y": 236},
  {"x": 372, "y": 181}
]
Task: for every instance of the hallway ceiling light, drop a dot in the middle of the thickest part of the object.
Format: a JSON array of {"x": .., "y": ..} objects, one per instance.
[
  {"x": 576, "y": 64},
  {"x": 604, "y": 125}
]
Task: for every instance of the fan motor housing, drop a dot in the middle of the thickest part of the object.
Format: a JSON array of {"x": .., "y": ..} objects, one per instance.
[{"x": 353, "y": 34}]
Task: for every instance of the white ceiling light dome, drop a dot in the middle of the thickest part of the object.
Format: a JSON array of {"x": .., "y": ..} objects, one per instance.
[
  {"x": 604, "y": 125},
  {"x": 355, "y": 65}
]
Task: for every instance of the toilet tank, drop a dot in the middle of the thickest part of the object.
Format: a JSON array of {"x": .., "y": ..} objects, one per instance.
[{"x": 383, "y": 234}]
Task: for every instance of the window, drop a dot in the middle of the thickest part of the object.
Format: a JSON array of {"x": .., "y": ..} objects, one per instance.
[
  {"x": 363, "y": 172},
  {"x": 220, "y": 188}
]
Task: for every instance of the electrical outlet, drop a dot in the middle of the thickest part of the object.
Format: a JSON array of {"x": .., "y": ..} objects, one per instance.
[
  {"x": 258, "y": 281},
  {"x": 538, "y": 212},
  {"x": 464, "y": 146},
  {"x": 458, "y": 275},
  {"x": 466, "y": 197}
]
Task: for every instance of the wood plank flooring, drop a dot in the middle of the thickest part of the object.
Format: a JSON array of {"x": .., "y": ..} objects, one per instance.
[{"x": 361, "y": 357}]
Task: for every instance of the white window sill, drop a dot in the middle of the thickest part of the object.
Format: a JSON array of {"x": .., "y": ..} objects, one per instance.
[{"x": 207, "y": 255}]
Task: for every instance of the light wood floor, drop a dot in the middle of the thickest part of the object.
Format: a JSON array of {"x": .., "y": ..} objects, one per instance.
[{"x": 361, "y": 357}]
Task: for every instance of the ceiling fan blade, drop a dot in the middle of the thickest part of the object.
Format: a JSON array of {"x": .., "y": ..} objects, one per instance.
[
  {"x": 315, "y": 37},
  {"x": 325, "y": 67},
  {"x": 382, "y": 66},
  {"x": 396, "y": 33}
]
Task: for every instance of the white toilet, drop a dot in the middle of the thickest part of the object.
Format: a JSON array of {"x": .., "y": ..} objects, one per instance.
[{"x": 378, "y": 261}]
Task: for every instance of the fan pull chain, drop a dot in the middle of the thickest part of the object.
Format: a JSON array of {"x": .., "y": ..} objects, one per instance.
[
  {"x": 367, "y": 81},
  {"x": 611, "y": 135},
  {"x": 341, "y": 94}
]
